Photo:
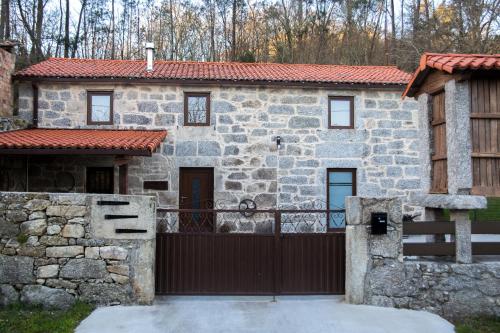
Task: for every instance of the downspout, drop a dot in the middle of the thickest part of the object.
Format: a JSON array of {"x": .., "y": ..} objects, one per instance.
[
  {"x": 27, "y": 172},
  {"x": 35, "y": 104}
]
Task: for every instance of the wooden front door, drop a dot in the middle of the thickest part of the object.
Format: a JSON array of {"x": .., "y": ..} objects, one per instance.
[
  {"x": 196, "y": 191},
  {"x": 100, "y": 180}
]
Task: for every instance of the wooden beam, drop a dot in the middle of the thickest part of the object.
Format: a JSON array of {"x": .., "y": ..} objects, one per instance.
[
  {"x": 485, "y": 248},
  {"x": 483, "y": 115},
  {"x": 123, "y": 179},
  {"x": 486, "y": 155},
  {"x": 428, "y": 228},
  {"x": 429, "y": 249},
  {"x": 485, "y": 227}
]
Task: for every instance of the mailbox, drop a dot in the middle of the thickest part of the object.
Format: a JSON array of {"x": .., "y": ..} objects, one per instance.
[{"x": 379, "y": 223}]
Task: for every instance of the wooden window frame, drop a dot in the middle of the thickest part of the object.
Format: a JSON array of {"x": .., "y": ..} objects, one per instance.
[
  {"x": 351, "y": 111},
  {"x": 91, "y": 93},
  {"x": 354, "y": 193},
  {"x": 186, "y": 106}
]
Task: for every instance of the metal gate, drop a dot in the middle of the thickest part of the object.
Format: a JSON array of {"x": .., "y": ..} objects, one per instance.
[{"x": 273, "y": 252}]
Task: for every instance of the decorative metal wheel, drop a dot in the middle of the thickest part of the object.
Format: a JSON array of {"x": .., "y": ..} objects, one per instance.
[{"x": 247, "y": 206}]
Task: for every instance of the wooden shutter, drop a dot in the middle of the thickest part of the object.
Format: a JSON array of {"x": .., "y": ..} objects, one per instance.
[
  {"x": 439, "y": 181},
  {"x": 100, "y": 180},
  {"x": 485, "y": 123}
]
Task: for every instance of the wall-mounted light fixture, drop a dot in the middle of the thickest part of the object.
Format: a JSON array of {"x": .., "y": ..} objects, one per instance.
[{"x": 278, "y": 142}]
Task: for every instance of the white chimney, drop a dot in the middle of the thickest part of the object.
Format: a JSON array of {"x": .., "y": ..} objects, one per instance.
[{"x": 150, "y": 48}]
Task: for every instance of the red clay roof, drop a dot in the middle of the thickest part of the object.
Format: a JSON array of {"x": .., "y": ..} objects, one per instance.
[
  {"x": 59, "y": 141},
  {"x": 451, "y": 63},
  {"x": 214, "y": 71}
]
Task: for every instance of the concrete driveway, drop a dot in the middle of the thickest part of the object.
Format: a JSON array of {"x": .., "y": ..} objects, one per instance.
[{"x": 260, "y": 314}]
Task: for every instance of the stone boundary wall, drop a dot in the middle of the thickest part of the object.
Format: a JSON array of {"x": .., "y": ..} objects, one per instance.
[
  {"x": 50, "y": 256},
  {"x": 378, "y": 274}
]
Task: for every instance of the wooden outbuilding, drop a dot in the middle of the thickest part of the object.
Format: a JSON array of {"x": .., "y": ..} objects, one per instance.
[{"x": 459, "y": 97}]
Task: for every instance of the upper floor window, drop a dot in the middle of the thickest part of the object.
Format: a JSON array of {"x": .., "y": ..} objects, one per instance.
[
  {"x": 100, "y": 107},
  {"x": 341, "y": 112},
  {"x": 196, "y": 109}
]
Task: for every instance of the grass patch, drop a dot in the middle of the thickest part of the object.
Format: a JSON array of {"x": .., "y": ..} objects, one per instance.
[
  {"x": 478, "y": 325},
  {"x": 20, "y": 319},
  {"x": 22, "y": 238}
]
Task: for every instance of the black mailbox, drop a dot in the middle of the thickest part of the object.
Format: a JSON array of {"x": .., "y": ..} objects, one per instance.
[{"x": 379, "y": 223}]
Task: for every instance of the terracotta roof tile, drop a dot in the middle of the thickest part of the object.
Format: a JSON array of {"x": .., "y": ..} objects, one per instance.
[
  {"x": 133, "y": 142},
  {"x": 214, "y": 71},
  {"x": 450, "y": 63}
]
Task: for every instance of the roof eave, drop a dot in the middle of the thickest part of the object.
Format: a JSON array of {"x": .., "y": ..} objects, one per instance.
[
  {"x": 74, "y": 151},
  {"x": 309, "y": 84}
]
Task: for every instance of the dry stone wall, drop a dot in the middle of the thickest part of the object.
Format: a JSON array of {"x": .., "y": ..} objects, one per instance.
[{"x": 49, "y": 255}]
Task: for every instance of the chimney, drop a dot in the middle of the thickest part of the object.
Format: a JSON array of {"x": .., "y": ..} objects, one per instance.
[{"x": 150, "y": 48}]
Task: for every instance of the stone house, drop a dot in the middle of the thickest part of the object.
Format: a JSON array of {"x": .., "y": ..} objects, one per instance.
[{"x": 280, "y": 135}]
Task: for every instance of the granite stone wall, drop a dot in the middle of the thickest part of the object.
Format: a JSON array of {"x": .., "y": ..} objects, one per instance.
[
  {"x": 378, "y": 274},
  {"x": 450, "y": 290},
  {"x": 50, "y": 254},
  {"x": 240, "y": 143}
]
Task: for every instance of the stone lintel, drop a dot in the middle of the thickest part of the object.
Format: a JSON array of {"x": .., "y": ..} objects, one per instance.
[{"x": 449, "y": 201}]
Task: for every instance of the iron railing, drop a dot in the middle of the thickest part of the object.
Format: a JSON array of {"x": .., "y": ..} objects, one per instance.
[{"x": 264, "y": 221}]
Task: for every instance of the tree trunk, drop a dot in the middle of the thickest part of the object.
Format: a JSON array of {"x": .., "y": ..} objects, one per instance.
[
  {"x": 393, "y": 34},
  {"x": 233, "y": 32},
  {"x": 112, "y": 29},
  {"x": 212, "y": 30},
  {"x": 66, "y": 32},
  {"x": 5, "y": 20},
  {"x": 172, "y": 30},
  {"x": 77, "y": 34}
]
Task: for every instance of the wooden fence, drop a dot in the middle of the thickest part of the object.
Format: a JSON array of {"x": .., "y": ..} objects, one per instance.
[{"x": 448, "y": 228}]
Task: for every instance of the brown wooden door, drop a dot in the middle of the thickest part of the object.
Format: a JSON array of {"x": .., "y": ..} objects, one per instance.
[
  {"x": 196, "y": 191},
  {"x": 439, "y": 183},
  {"x": 100, "y": 180}
]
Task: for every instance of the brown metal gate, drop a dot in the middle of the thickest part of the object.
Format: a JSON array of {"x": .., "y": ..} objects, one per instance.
[{"x": 285, "y": 252}]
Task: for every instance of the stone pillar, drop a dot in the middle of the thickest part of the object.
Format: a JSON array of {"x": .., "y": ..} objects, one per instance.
[
  {"x": 356, "y": 252},
  {"x": 463, "y": 243},
  {"x": 362, "y": 246},
  {"x": 424, "y": 141},
  {"x": 458, "y": 137}
]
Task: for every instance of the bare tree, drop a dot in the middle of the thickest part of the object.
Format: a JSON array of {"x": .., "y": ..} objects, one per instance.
[
  {"x": 5, "y": 20},
  {"x": 66, "y": 31}
]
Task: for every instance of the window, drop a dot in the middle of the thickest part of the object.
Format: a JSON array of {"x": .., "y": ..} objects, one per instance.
[
  {"x": 341, "y": 183},
  {"x": 100, "y": 180},
  {"x": 196, "y": 109},
  {"x": 100, "y": 107},
  {"x": 340, "y": 112}
]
